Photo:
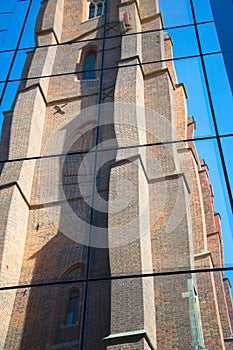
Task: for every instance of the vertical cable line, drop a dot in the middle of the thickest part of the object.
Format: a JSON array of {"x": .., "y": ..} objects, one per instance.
[
  {"x": 15, "y": 52},
  {"x": 212, "y": 107},
  {"x": 85, "y": 301}
]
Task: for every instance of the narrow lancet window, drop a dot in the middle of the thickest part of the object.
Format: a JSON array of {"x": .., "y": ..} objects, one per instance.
[
  {"x": 89, "y": 66},
  {"x": 72, "y": 308},
  {"x": 99, "y": 9},
  {"x": 91, "y": 10}
]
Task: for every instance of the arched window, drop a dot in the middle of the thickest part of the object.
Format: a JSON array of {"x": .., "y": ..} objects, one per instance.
[
  {"x": 72, "y": 308},
  {"x": 100, "y": 9},
  {"x": 91, "y": 10},
  {"x": 89, "y": 66},
  {"x": 96, "y": 8}
]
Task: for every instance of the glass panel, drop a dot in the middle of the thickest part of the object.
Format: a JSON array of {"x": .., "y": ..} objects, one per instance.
[
  {"x": 2, "y": 38},
  {"x": 175, "y": 13},
  {"x": 41, "y": 321},
  {"x": 9, "y": 95},
  {"x": 7, "y": 6},
  {"x": 8, "y": 99},
  {"x": 175, "y": 298},
  {"x": 208, "y": 38},
  {"x": 1, "y": 89},
  {"x": 227, "y": 144},
  {"x": 169, "y": 305},
  {"x": 98, "y": 312},
  {"x": 5, "y": 61},
  {"x": 203, "y": 13},
  {"x": 5, "y": 19},
  {"x": 14, "y": 23},
  {"x": 28, "y": 35},
  {"x": 166, "y": 305},
  {"x": 183, "y": 39},
  {"x": 17, "y": 68},
  {"x": 189, "y": 72},
  {"x": 208, "y": 151},
  {"x": 220, "y": 92}
]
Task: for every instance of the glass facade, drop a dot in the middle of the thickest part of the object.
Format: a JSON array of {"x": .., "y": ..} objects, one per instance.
[{"x": 201, "y": 73}]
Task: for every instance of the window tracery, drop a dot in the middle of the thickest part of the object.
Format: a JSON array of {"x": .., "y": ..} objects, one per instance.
[{"x": 96, "y": 8}]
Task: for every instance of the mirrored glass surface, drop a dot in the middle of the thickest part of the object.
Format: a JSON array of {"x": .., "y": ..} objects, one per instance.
[
  {"x": 202, "y": 13},
  {"x": 176, "y": 13},
  {"x": 221, "y": 95}
]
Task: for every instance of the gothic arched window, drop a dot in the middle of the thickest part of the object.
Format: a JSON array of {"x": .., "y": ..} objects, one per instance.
[
  {"x": 96, "y": 8},
  {"x": 72, "y": 308},
  {"x": 89, "y": 66}
]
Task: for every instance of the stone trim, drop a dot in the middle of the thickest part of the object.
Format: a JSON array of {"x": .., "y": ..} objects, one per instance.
[
  {"x": 131, "y": 336},
  {"x": 153, "y": 17},
  {"x": 35, "y": 86},
  {"x": 47, "y": 32},
  {"x": 184, "y": 89},
  {"x": 189, "y": 149},
  {"x": 12, "y": 184},
  {"x": 124, "y": 62},
  {"x": 42, "y": 205},
  {"x": 157, "y": 179},
  {"x": 214, "y": 234},
  {"x": 171, "y": 177},
  {"x": 227, "y": 279},
  {"x": 157, "y": 72},
  {"x": 204, "y": 254},
  {"x": 168, "y": 38}
]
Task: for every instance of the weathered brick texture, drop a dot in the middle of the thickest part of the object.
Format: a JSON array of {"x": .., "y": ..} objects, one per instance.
[{"x": 164, "y": 223}]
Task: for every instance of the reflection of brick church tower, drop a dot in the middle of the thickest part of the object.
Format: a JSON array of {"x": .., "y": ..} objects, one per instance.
[{"x": 81, "y": 229}]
